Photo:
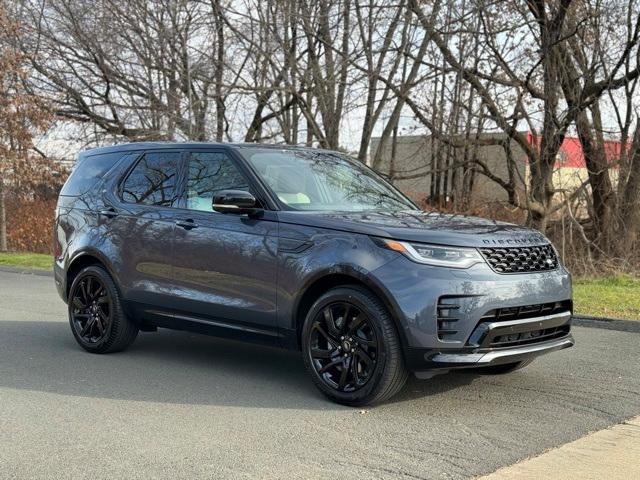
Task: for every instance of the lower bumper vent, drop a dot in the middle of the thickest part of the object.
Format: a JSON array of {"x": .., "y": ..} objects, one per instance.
[
  {"x": 527, "y": 311},
  {"x": 526, "y": 338},
  {"x": 447, "y": 318}
]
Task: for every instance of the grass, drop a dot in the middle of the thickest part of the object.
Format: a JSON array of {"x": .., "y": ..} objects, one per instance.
[
  {"x": 26, "y": 260},
  {"x": 613, "y": 297}
]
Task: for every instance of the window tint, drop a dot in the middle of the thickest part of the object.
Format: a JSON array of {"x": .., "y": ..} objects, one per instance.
[
  {"x": 153, "y": 180},
  {"x": 210, "y": 172},
  {"x": 88, "y": 171}
]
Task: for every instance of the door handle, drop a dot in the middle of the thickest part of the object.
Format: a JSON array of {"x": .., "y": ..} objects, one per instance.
[
  {"x": 188, "y": 224},
  {"x": 109, "y": 212}
]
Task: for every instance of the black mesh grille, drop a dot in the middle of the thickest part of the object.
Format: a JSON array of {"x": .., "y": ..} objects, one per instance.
[
  {"x": 526, "y": 338},
  {"x": 526, "y": 334},
  {"x": 527, "y": 311},
  {"x": 521, "y": 259}
]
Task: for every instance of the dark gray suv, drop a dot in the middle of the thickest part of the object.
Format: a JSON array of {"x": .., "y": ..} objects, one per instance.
[{"x": 303, "y": 249}]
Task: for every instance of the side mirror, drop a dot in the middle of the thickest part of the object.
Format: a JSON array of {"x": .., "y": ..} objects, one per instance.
[{"x": 235, "y": 201}]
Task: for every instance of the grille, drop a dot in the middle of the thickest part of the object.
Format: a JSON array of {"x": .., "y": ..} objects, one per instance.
[
  {"x": 525, "y": 338},
  {"x": 527, "y": 311},
  {"x": 495, "y": 339},
  {"x": 521, "y": 259}
]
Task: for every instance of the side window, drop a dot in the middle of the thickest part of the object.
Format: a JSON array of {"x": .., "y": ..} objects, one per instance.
[
  {"x": 88, "y": 171},
  {"x": 210, "y": 172},
  {"x": 153, "y": 180}
]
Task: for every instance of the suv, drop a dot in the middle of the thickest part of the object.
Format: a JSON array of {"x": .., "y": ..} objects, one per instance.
[{"x": 303, "y": 249}]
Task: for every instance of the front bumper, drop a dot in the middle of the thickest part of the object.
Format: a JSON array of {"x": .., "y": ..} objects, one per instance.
[
  {"x": 497, "y": 357},
  {"x": 453, "y": 318}
]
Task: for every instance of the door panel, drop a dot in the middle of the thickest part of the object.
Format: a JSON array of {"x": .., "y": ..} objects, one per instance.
[
  {"x": 224, "y": 264},
  {"x": 140, "y": 218}
]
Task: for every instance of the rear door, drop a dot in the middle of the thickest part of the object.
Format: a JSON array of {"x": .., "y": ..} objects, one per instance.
[
  {"x": 142, "y": 229},
  {"x": 224, "y": 264}
]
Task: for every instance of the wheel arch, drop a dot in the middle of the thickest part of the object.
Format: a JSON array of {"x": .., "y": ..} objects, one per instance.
[
  {"x": 82, "y": 260},
  {"x": 339, "y": 277}
]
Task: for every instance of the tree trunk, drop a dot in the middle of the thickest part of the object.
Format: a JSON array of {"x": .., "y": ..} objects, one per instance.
[
  {"x": 629, "y": 211},
  {"x": 601, "y": 187},
  {"x": 219, "y": 70},
  {"x": 3, "y": 220}
]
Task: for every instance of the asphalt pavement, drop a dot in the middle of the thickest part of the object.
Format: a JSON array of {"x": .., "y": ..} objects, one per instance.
[{"x": 180, "y": 405}]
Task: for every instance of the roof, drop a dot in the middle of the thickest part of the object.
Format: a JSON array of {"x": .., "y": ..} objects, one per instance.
[{"x": 133, "y": 146}]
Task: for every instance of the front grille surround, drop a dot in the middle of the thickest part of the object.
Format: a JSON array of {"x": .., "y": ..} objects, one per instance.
[{"x": 505, "y": 260}]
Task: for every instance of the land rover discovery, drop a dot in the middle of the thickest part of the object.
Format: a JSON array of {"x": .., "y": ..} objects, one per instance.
[{"x": 303, "y": 249}]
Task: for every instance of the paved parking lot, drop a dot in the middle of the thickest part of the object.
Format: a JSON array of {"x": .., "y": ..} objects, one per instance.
[{"x": 179, "y": 405}]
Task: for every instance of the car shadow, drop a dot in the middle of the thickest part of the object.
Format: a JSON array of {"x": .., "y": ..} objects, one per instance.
[{"x": 171, "y": 367}]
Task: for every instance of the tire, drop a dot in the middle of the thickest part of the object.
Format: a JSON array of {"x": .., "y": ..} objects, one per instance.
[
  {"x": 96, "y": 316},
  {"x": 503, "y": 369},
  {"x": 374, "y": 365}
]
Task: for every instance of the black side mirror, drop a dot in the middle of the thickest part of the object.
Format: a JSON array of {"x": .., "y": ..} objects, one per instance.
[{"x": 235, "y": 201}]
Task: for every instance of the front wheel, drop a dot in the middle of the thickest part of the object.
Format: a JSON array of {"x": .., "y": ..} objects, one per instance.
[
  {"x": 96, "y": 316},
  {"x": 351, "y": 347}
]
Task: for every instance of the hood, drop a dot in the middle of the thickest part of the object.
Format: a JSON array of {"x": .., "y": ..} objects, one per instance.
[{"x": 417, "y": 226}]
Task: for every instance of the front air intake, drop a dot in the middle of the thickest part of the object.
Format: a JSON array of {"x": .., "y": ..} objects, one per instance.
[{"x": 447, "y": 318}]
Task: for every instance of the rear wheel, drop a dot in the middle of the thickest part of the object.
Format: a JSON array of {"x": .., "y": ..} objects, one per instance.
[
  {"x": 502, "y": 369},
  {"x": 351, "y": 348},
  {"x": 96, "y": 316}
]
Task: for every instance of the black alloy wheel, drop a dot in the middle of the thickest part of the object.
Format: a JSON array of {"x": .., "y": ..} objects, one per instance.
[
  {"x": 96, "y": 315},
  {"x": 91, "y": 310},
  {"x": 351, "y": 347},
  {"x": 344, "y": 346}
]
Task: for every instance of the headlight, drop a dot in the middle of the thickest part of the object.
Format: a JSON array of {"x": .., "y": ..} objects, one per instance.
[{"x": 438, "y": 255}]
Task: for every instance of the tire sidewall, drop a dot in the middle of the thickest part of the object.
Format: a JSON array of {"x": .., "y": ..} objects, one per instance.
[{"x": 360, "y": 301}]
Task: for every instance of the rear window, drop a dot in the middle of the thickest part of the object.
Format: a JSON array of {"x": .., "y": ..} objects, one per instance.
[{"x": 87, "y": 172}]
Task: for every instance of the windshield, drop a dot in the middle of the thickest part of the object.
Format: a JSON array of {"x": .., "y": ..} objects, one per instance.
[{"x": 315, "y": 180}]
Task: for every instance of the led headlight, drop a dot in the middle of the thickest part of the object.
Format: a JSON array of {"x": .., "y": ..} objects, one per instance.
[{"x": 438, "y": 255}]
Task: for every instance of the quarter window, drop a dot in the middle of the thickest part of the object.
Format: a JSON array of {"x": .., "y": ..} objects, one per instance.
[
  {"x": 153, "y": 180},
  {"x": 88, "y": 172},
  {"x": 210, "y": 172}
]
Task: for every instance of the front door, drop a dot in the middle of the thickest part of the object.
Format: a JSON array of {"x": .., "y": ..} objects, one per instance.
[{"x": 224, "y": 264}]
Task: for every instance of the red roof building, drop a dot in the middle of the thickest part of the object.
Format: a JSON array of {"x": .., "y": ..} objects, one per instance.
[{"x": 571, "y": 155}]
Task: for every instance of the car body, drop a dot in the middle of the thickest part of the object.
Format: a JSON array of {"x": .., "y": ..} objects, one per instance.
[{"x": 254, "y": 273}]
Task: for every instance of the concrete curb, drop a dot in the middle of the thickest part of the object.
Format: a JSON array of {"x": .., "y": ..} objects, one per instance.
[
  {"x": 26, "y": 271},
  {"x": 609, "y": 453}
]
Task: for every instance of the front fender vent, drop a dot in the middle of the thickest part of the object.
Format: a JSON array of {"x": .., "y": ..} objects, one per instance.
[{"x": 447, "y": 318}]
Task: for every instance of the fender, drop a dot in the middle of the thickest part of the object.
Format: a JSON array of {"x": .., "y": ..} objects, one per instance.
[
  {"x": 361, "y": 276},
  {"x": 84, "y": 253}
]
